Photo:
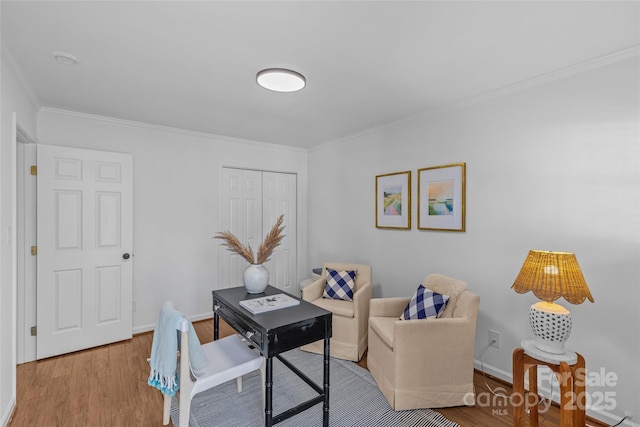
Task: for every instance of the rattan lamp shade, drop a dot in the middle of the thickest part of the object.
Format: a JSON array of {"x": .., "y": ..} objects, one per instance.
[{"x": 551, "y": 275}]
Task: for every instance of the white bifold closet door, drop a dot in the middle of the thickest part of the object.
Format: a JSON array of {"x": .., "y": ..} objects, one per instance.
[{"x": 251, "y": 202}]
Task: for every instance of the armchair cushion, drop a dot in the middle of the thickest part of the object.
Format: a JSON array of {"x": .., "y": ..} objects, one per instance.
[
  {"x": 425, "y": 304},
  {"x": 384, "y": 327},
  {"x": 340, "y": 284},
  {"x": 338, "y": 307}
]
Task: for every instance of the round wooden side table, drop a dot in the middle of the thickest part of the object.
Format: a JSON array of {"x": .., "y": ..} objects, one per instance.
[{"x": 569, "y": 369}]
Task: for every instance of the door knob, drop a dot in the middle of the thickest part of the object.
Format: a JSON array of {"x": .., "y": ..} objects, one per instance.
[{"x": 126, "y": 256}]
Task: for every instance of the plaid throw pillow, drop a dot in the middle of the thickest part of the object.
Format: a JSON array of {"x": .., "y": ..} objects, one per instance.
[
  {"x": 339, "y": 284},
  {"x": 425, "y": 304}
]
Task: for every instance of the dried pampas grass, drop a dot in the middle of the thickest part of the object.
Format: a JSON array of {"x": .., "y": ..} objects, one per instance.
[
  {"x": 271, "y": 242},
  {"x": 266, "y": 248},
  {"x": 233, "y": 245}
]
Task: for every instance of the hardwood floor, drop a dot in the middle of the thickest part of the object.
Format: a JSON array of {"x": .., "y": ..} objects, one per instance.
[{"x": 107, "y": 386}]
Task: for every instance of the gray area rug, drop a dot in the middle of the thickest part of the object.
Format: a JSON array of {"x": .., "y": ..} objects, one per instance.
[{"x": 354, "y": 399}]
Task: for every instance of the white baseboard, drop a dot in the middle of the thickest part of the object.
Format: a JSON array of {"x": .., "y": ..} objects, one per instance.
[
  {"x": 147, "y": 328},
  {"x": 6, "y": 416},
  {"x": 493, "y": 371}
]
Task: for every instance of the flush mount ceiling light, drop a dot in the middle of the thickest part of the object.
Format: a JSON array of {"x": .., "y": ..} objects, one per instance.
[
  {"x": 65, "y": 58},
  {"x": 281, "y": 80}
]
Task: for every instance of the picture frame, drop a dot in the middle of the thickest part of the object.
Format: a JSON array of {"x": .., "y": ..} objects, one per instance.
[
  {"x": 393, "y": 200},
  {"x": 441, "y": 197}
]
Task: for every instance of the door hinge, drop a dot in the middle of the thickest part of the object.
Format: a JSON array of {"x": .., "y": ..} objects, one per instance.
[
  {"x": 34, "y": 250},
  {"x": 34, "y": 170},
  {"x": 34, "y": 331}
]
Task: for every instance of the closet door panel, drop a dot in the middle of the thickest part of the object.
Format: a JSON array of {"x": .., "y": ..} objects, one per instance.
[{"x": 251, "y": 203}]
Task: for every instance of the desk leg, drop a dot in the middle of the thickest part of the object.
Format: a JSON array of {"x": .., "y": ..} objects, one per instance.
[
  {"x": 325, "y": 413},
  {"x": 268, "y": 392},
  {"x": 519, "y": 397},
  {"x": 216, "y": 326}
]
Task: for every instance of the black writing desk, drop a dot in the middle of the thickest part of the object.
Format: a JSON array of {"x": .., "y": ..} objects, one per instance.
[{"x": 273, "y": 333}]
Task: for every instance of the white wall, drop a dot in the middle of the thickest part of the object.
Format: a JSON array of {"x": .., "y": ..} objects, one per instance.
[
  {"x": 553, "y": 167},
  {"x": 176, "y": 188},
  {"x": 15, "y": 98}
]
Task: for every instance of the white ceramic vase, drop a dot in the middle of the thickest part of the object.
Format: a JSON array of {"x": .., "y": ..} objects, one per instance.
[{"x": 255, "y": 278}]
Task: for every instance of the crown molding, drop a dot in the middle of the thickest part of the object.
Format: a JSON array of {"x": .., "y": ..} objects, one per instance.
[
  {"x": 179, "y": 131},
  {"x": 571, "y": 70},
  {"x": 24, "y": 136},
  {"x": 538, "y": 80}
]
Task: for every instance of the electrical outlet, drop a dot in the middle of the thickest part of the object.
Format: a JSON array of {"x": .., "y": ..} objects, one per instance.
[{"x": 494, "y": 339}]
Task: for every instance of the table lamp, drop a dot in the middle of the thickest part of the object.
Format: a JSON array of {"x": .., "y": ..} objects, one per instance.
[{"x": 551, "y": 275}]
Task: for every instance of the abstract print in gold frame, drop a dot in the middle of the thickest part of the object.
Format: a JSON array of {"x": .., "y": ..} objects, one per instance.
[
  {"x": 393, "y": 200},
  {"x": 441, "y": 197}
]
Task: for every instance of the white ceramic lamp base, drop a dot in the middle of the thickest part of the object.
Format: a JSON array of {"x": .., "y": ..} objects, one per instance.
[{"x": 551, "y": 324}]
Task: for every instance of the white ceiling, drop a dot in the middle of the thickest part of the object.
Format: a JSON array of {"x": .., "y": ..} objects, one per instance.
[{"x": 192, "y": 64}]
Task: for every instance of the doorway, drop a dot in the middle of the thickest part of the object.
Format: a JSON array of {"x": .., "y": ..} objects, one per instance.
[
  {"x": 75, "y": 273},
  {"x": 25, "y": 238}
]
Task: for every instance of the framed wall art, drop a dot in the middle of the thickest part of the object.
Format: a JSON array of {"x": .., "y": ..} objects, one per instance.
[
  {"x": 393, "y": 200},
  {"x": 441, "y": 197}
]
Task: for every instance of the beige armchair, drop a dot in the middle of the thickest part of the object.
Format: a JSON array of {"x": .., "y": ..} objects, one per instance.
[
  {"x": 426, "y": 363},
  {"x": 349, "y": 319}
]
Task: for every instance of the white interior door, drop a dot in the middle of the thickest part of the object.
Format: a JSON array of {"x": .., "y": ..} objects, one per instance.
[
  {"x": 251, "y": 203},
  {"x": 84, "y": 235},
  {"x": 242, "y": 215},
  {"x": 279, "y": 197}
]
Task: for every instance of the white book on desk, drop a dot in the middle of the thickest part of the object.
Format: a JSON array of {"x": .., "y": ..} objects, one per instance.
[{"x": 269, "y": 303}]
